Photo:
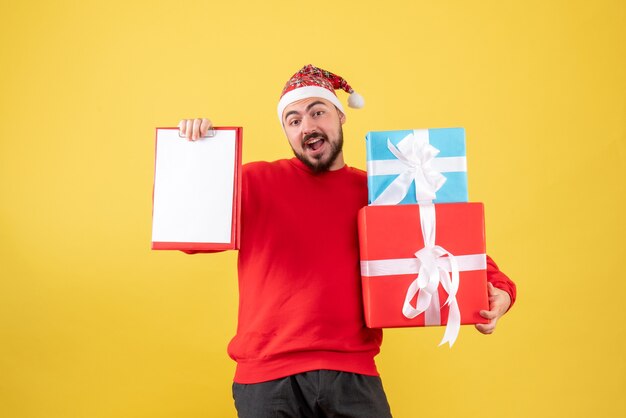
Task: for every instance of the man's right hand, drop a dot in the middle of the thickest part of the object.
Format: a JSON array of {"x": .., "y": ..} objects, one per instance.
[{"x": 194, "y": 129}]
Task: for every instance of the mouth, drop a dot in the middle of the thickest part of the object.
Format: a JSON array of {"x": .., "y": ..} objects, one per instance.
[{"x": 314, "y": 142}]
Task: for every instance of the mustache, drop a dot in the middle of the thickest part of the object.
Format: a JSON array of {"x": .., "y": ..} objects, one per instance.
[{"x": 313, "y": 135}]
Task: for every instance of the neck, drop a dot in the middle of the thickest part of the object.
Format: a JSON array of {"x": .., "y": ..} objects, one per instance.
[{"x": 338, "y": 163}]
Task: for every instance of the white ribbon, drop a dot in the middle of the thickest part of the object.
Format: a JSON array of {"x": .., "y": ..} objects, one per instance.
[
  {"x": 416, "y": 155},
  {"x": 397, "y": 266},
  {"x": 395, "y": 166}
]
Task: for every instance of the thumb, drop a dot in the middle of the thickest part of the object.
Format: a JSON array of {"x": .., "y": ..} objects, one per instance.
[{"x": 492, "y": 289}]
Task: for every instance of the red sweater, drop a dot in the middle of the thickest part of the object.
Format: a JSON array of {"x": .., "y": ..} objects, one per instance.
[{"x": 300, "y": 301}]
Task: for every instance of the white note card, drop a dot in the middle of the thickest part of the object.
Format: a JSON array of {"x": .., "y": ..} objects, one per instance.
[{"x": 194, "y": 188}]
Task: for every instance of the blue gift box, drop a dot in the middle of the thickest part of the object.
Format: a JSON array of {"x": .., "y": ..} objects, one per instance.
[{"x": 434, "y": 159}]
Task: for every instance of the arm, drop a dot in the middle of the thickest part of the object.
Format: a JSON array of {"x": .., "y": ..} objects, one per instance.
[{"x": 502, "y": 294}]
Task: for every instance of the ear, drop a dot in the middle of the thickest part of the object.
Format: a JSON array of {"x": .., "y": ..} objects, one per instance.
[{"x": 342, "y": 116}]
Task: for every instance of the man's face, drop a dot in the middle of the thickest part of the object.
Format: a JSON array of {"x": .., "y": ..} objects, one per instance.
[{"x": 313, "y": 128}]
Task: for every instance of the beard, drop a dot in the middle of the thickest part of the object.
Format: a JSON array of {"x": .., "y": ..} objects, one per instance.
[{"x": 322, "y": 162}]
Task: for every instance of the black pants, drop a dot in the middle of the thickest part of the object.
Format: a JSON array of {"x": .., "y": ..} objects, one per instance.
[{"x": 315, "y": 394}]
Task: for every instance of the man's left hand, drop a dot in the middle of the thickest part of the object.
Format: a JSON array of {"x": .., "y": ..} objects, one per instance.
[{"x": 499, "y": 302}]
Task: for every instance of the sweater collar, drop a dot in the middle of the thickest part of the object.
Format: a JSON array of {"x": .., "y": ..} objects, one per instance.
[{"x": 299, "y": 164}]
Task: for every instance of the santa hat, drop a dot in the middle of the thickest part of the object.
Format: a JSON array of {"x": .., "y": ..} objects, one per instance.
[{"x": 311, "y": 81}]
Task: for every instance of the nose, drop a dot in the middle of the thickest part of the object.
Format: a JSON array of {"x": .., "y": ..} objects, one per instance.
[{"x": 307, "y": 125}]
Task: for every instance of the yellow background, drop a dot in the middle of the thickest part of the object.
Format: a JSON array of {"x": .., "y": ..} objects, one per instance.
[{"x": 95, "y": 324}]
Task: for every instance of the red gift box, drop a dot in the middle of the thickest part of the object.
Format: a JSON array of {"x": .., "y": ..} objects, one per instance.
[{"x": 391, "y": 238}]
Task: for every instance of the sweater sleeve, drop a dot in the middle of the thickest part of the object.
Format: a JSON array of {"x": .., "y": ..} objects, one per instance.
[{"x": 500, "y": 280}]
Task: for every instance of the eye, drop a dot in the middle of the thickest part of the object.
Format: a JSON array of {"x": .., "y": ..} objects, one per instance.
[
  {"x": 294, "y": 122},
  {"x": 318, "y": 113}
]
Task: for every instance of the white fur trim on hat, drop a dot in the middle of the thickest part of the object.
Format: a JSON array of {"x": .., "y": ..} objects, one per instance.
[
  {"x": 355, "y": 100},
  {"x": 304, "y": 93}
]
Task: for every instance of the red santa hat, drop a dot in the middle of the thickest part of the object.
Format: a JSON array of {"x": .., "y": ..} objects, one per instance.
[{"x": 311, "y": 81}]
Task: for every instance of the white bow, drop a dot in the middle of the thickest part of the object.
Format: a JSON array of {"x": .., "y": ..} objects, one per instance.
[{"x": 416, "y": 154}]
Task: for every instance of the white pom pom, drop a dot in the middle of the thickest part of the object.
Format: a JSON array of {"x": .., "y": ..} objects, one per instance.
[{"x": 355, "y": 100}]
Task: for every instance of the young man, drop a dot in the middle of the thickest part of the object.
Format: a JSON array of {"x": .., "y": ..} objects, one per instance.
[{"x": 302, "y": 348}]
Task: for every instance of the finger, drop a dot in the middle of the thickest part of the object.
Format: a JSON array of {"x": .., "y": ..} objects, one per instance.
[
  {"x": 492, "y": 289},
  {"x": 205, "y": 126},
  {"x": 196, "y": 128},
  {"x": 189, "y": 129},
  {"x": 496, "y": 302},
  {"x": 488, "y": 314},
  {"x": 485, "y": 328},
  {"x": 181, "y": 127}
]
